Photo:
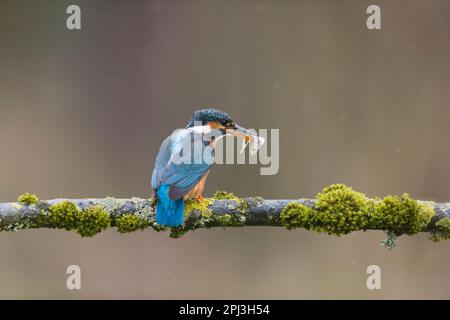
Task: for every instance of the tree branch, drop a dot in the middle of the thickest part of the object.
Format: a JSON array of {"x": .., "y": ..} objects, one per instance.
[{"x": 90, "y": 216}]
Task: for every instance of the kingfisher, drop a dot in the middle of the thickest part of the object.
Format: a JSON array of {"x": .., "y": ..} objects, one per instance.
[{"x": 183, "y": 162}]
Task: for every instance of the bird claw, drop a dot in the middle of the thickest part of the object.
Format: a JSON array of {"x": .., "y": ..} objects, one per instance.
[{"x": 199, "y": 198}]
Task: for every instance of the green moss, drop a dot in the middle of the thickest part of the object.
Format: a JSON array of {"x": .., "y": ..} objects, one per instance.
[
  {"x": 242, "y": 205},
  {"x": 338, "y": 210},
  {"x": 229, "y": 220},
  {"x": 88, "y": 222},
  {"x": 442, "y": 231},
  {"x": 245, "y": 203},
  {"x": 158, "y": 227},
  {"x": 201, "y": 207},
  {"x": 401, "y": 215},
  {"x": 223, "y": 195},
  {"x": 255, "y": 201},
  {"x": 177, "y": 232},
  {"x": 25, "y": 223},
  {"x": 130, "y": 222},
  {"x": 199, "y": 215},
  {"x": 28, "y": 199},
  {"x": 152, "y": 201},
  {"x": 93, "y": 220},
  {"x": 224, "y": 220},
  {"x": 64, "y": 215},
  {"x": 296, "y": 215},
  {"x": 341, "y": 210}
]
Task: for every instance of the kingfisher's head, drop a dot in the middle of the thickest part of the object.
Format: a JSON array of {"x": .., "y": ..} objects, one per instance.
[
  {"x": 218, "y": 119},
  {"x": 213, "y": 117}
]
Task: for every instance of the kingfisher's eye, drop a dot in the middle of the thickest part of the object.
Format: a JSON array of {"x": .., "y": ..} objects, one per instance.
[{"x": 229, "y": 124}]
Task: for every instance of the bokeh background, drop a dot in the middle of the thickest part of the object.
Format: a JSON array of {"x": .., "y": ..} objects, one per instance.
[{"x": 82, "y": 114}]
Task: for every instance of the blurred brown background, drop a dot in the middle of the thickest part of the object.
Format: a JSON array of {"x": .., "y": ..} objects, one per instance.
[{"x": 82, "y": 113}]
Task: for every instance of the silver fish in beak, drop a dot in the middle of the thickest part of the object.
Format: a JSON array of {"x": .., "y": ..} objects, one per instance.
[{"x": 248, "y": 137}]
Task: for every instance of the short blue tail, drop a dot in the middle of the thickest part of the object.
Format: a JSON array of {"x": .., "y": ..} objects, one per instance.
[{"x": 168, "y": 212}]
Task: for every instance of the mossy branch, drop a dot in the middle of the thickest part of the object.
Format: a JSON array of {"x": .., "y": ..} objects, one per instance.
[{"x": 336, "y": 210}]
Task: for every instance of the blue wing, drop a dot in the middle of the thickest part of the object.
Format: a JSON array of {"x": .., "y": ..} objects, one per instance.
[{"x": 181, "y": 177}]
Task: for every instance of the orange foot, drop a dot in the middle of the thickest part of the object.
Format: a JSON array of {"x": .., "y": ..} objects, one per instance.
[{"x": 199, "y": 198}]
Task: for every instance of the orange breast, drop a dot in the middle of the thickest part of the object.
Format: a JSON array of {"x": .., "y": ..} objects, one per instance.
[{"x": 198, "y": 189}]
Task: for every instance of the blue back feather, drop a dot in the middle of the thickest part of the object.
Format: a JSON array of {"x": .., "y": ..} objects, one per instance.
[{"x": 172, "y": 181}]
